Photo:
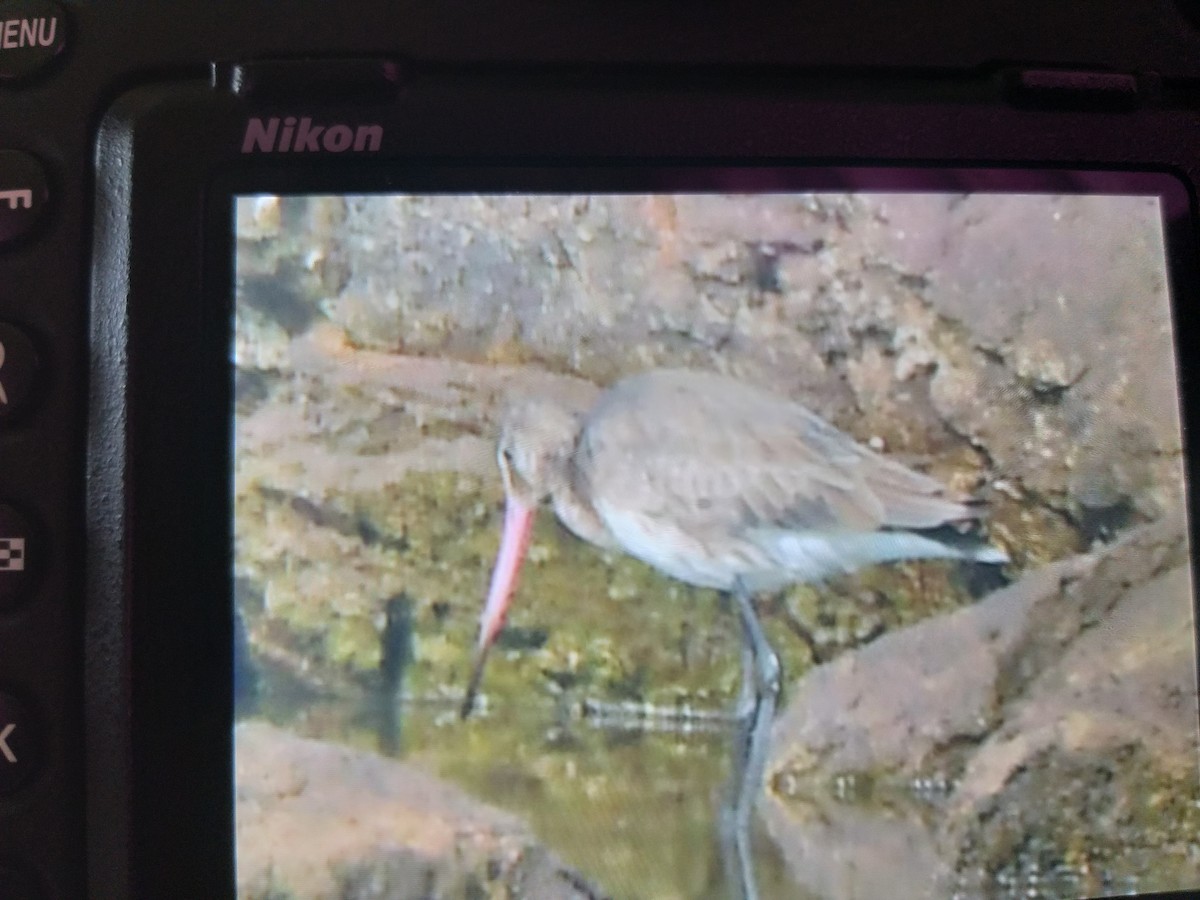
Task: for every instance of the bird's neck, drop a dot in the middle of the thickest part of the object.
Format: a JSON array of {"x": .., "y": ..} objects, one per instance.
[{"x": 577, "y": 514}]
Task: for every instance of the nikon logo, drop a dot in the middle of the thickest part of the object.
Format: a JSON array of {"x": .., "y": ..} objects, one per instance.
[{"x": 292, "y": 135}]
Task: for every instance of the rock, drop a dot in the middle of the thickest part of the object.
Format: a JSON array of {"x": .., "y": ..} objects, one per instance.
[
  {"x": 317, "y": 820},
  {"x": 839, "y": 850},
  {"x": 1070, "y": 326},
  {"x": 1052, "y": 724},
  {"x": 923, "y": 320}
]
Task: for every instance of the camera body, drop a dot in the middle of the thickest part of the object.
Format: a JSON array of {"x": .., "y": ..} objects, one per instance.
[{"x": 124, "y": 128}]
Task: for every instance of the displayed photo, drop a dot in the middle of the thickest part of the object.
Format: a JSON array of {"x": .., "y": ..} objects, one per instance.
[{"x": 680, "y": 546}]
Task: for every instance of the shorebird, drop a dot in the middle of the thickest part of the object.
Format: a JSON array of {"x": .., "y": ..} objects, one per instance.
[{"x": 724, "y": 485}]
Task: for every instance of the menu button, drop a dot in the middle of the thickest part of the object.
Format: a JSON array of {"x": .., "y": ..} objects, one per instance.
[{"x": 32, "y": 33}]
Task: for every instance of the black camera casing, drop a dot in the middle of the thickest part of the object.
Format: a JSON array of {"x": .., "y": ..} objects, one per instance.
[{"x": 140, "y": 118}]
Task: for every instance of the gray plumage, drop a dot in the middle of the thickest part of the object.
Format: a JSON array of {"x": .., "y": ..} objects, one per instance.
[{"x": 710, "y": 479}]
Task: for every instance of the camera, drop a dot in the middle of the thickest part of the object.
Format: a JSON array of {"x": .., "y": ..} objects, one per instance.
[{"x": 828, "y": 370}]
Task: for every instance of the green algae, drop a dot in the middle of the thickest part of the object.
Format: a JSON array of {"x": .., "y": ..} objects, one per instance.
[
  {"x": 614, "y": 629},
  {"x": 1069, "y": 823}
]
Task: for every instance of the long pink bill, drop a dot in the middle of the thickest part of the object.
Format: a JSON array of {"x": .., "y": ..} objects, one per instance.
[{"x": 518, "y": 525}]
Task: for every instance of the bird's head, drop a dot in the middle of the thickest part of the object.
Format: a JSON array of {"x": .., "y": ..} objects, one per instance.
[
  {"x": 536, "y": 440},
  {"x": 535, "y": 443}
]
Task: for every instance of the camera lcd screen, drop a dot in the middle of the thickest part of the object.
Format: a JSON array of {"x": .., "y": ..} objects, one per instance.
[{"x": 929, "y": 440}]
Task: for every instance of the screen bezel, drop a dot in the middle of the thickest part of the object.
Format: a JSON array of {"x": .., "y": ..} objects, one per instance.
[
  {"x": 160, "y": 632},
  {"x": 706, "y": 177}
]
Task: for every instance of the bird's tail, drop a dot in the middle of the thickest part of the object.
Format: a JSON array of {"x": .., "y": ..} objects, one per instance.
[
  {"x": 966, "y": 544},
  {"x": 811, "y": 556}
]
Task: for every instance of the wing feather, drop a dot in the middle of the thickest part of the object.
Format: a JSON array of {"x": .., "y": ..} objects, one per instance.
[{"x": 717, "y": 456}]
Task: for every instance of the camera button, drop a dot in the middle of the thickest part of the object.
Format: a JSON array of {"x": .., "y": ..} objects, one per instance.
[
  {"x": 18, "y": 371},
  {"x": 16, "y": 565},
  {"x": 32, "y": 34},
  {"x": 20, "y": 747},
  {"x": 24, "y": 191}
]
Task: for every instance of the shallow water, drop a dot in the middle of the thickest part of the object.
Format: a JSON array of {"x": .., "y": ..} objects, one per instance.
[{"x": 634, "y": 809}]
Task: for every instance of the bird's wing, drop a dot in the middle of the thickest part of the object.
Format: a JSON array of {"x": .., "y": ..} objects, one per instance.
[{"x": 713, "y": 455}]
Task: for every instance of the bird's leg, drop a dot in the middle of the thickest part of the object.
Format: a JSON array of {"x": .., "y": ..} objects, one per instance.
[
  {"x": 761, "y": 671},
  {"x": 743, "y": 709}
]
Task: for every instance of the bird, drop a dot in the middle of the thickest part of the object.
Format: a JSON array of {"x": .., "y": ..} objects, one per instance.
[
  {"x": 722, "y": 484},
  {"x": 711, "y": 480}
]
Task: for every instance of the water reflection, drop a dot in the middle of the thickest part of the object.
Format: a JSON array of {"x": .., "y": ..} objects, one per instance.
[{"x": 632, "y": 805}]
